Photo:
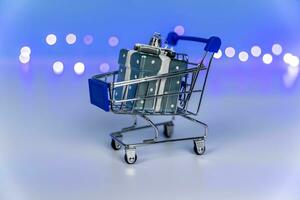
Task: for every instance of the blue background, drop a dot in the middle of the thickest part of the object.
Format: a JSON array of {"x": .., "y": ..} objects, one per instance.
[
  {"x": 55, "y": 145},
  {"x": 240, "y": 24}
]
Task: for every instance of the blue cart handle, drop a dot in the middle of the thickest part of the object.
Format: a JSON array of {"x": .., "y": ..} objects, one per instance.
[{"x": 213, "y": 44}]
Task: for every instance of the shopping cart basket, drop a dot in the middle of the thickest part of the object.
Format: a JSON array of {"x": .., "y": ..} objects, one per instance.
[{"x": 103, "y": 87}]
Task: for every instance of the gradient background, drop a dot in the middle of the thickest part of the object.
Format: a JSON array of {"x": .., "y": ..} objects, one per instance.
[{"x": 55, "y": 145}]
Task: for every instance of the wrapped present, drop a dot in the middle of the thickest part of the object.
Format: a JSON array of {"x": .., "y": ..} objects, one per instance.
[
  {"x": 152, "y": 65},
  {"x": 146, "y": 61},
  {"x": 149, "y": 66},
  {"x": 126, "y": 72},
  {"x": 168, "y": 104}
]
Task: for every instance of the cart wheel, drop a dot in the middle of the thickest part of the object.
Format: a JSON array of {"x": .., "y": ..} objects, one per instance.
[
  {"x": 115, "y": 145},
  {"x": 168, "y": 129},
  {"x": 130, "y": 156},
  {"x": 199, "y": 146}
]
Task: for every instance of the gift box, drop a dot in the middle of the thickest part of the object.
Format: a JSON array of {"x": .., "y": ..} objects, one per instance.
[
  {"x": 149, "y": 66},
  {"x": 152, "y": 65},
  {"x": 168, "y": 104},
  {"x": 126, "y": 72},
  {"x": 139, "y": 64}
]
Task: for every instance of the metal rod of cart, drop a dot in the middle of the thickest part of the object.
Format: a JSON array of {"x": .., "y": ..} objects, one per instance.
[{"x": 104, "y": 86}]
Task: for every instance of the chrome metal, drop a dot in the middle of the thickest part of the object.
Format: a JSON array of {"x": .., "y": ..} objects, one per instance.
[
  {"x": 130, "y": 154},
  {"x": 117, "y": 138},
  {"x": 155, "y": 40},
  {"x": 157, "y": 95},
  {"x": 205, "y": 126},
  {"x": 118, "y": 145},
  {"x": 154, "y": 126},
  {"x": 133, "y": 125},
  {"x": 157, "y": 77},
  {"x": 199, "y": 146},
  {"x": 189, "y": 90}
]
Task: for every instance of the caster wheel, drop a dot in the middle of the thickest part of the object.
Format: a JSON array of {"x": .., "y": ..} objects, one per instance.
[
  {"x": 130, "y": 155},
  {"x": 199, "y": 147},
  {"x": 130, "y": 159},
  {"x": 199, "y": 152},
  {"x": 115, "y": 145},
  {"x": 168, "y": 130}
]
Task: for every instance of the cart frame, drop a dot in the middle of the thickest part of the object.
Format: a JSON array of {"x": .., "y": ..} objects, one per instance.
[{"x": 103, "y": 87}]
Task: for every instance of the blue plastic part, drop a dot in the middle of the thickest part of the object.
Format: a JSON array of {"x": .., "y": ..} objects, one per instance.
[
  {"x": 99, "y": 94},
  {"x": 172, "y": 39},
  {"x": 213, "y": 44}
]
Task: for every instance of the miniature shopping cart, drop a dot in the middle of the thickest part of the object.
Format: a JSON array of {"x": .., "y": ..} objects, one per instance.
[{"x": 104, "y": 89}]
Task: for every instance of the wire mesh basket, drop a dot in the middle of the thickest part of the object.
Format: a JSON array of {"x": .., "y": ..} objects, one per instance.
[{"x": 104, "y": 90}]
